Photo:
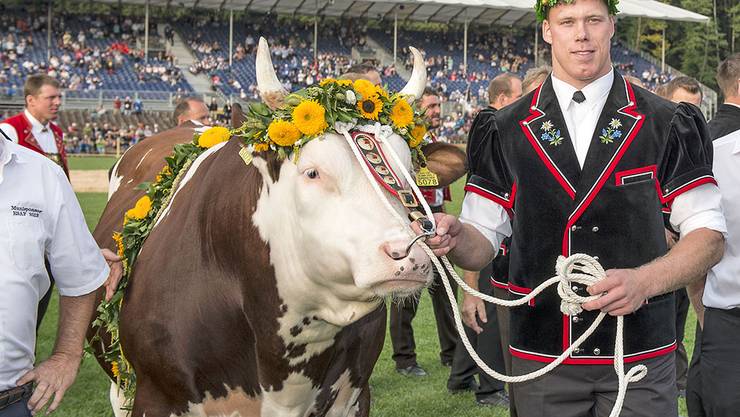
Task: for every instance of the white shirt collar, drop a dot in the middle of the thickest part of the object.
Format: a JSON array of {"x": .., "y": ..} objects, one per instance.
[
  {"x": 594, "y": 91},
  {"x": 35, "y": 124},
  {"x": 733, "y": 104}
]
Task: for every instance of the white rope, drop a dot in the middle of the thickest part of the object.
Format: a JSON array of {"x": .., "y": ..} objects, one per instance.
[{"x": 577, "y": 268}]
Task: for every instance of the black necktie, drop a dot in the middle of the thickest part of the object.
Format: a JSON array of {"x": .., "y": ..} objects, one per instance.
[
  {"x": 578, "y": 97},
  {"x": 44, "y": 129}
]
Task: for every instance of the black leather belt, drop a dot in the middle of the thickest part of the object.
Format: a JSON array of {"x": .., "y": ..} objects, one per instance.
[{"x": 13, "y": 395}]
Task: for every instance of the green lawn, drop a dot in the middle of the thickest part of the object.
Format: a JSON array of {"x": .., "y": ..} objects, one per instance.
[
  {"x": 393, "y": 395},
  {"x": 87, "y": 163}
]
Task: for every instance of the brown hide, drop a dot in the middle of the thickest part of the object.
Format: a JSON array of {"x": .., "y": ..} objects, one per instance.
[{"x": 448, "y": 161}]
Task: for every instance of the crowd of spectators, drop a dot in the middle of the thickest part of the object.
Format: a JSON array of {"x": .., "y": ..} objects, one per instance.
[{"x": 100, "y": 138}]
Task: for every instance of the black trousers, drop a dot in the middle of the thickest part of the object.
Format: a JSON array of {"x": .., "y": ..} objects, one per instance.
[
  {"x": 19, "y": 409},
  {"x": 402, "y": 334},
  {"x": 487, "y": 345},
  {"x": 682, "y": 360},
  {"x": 714, "y": 376}
]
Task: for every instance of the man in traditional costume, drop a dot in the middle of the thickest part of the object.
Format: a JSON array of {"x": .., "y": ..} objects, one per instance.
[{"x": 588, "y": 163}]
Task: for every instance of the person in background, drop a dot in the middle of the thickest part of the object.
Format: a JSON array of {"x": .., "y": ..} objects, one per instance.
[
  {"x": 192, "y": 108},
  {"x": 534, "y": 77}
]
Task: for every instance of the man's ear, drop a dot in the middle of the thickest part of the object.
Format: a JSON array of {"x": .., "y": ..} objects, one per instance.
[{"x": 546, "y": 34}]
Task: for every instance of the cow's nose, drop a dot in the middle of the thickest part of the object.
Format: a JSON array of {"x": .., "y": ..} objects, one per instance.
[{"x": 396, "y": 249}]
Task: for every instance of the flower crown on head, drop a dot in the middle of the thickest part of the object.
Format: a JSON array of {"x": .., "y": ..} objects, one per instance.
[
  {"x": 331, "y": 106},
  {"x": 541, "y": 7}
]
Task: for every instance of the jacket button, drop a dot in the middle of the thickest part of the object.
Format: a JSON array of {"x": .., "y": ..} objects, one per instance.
[
  {"x": 576, "y": 319},
  {"x": 577, "y": 350},
  {"x": 597, "y": 351},
  {"x": 573, "y": 228},
  {"x": 574, "y": 288},
  {"x": 595, "y": 229}
]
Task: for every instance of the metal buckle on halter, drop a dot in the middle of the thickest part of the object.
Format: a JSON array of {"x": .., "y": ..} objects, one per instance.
[{"x": 427, "y": 227}]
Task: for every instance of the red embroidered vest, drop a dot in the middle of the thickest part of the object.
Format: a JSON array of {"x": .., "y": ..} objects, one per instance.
[{"x": 22, "y": 127}]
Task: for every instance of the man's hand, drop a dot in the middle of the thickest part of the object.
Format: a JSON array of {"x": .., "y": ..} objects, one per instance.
[
  {"x": 52, "y": 377},
  {"x": 622, "y": 291},
  {"x": 116, "y": 272},
  {"x": 448, "y": 229},
  {"x": 472, "y": 308}
]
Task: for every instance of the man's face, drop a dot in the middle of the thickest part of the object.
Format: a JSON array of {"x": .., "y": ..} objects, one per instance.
[
  {"x": 516, "y": 93},
  {"x": 432, "y": 110},
  {"x": 580, "y": 35},
  {"x": 44, "y": 106},
  {"x": 683, "y": 95},
  {"x": 374, "y": 77},
  {"x": 198, "y": 112}
]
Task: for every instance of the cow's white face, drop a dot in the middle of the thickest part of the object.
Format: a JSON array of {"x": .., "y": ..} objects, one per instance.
[{"x": 328, "y": 232}]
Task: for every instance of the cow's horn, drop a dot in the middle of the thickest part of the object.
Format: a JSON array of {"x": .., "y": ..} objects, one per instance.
[
  {"x": 270, "y": 88},
  {"x": 418, "y": 81}
]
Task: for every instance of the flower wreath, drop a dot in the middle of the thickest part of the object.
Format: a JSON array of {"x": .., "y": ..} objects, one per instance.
[
  {"x": 541, "y": 7},
  {"x": 304, "y": 116}
]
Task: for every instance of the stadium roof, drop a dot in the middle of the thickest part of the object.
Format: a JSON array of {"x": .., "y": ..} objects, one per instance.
[{"x": 498, "y": 12}]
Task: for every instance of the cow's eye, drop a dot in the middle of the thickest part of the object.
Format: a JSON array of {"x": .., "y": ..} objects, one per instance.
[{"x": 312, "y": 173}]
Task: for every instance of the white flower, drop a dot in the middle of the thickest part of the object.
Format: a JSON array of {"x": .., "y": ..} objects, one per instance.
[
  {"x": 351, "y": 98},
  {"x": 547, "y": 126},
  {"x": 615, "y": 124}
]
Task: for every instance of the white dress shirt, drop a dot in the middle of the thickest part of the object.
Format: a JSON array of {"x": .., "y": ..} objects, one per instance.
[
  {"x": 39, "y": 217},
  {"x": 42, "y": 133},
  {"x": 722, "y": 289},
  {"x": 693, "y": 209}
]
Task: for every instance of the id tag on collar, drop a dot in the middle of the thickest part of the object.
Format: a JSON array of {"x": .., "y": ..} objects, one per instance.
[
  {"x": 247, "y": 156},
  {"x": 426, "y": 178}
]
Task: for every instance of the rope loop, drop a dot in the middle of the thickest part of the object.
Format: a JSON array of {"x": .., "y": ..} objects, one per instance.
[{"x": 577, "y": 268}]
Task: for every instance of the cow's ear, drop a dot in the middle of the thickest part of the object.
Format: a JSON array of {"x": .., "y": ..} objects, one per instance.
[
  {"x": 237, "y": 116},
  {"x": 448, "y": 161}
]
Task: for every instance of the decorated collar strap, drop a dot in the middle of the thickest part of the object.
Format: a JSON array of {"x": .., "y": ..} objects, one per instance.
[
  {"x": 542, "y": 7},
  {"x": 366, "y": 148}
]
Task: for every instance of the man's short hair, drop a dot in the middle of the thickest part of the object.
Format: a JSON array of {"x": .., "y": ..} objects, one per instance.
[
  {"x": 429, "y": 91},
  {"x": 362, "y": 68},
  {"x": 687, "y": 83},
  {"x": 501, "y": 84},
  {"x": 535, "y": 76},
  {"x": 662, "y": 90},
  {"x": 33, "y": 84},
  {"x": 184, "y": 106},
  {"x": 728, "y": 74}
]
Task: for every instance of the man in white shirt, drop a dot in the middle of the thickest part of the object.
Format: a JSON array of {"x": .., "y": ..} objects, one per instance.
[
  {"x": 41, "y": 218},
  {"x": 588, "y": 163},
  {"x": 714, "y": 376}
]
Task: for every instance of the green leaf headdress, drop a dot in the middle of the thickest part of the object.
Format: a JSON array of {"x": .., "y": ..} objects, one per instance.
[{"x": 541, "y": 7}]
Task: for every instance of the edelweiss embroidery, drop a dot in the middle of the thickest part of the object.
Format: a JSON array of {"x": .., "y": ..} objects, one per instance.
[
  {"x": 551, "y": 135},
  {"x": 611, "y": 132}
]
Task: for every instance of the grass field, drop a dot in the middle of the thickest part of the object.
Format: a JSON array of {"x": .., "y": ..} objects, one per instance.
[
  {"x": 393, "y": 395},
  {"x": 87, "y": 163}
]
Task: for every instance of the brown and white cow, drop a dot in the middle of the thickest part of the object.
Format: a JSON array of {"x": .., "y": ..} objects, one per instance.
[{"x": 260, "y": 292}]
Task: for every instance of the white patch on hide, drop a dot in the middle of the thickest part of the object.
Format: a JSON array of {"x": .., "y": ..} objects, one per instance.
[
  {"x": 347, "y": 402},
  {"x": 115, "y": 180},
  {"x": 189, "y": 175},
  {"x": 236, "y": 403},
  {"x": 142, "y": 159},
  {"x": 296, "y": 399}
]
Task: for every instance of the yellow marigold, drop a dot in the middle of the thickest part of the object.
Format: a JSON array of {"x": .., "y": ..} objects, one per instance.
[
  {"x": 417, "y": 135},
  {"x": 166, "y": 170},
  {"x": 309, "y": 118},
  {"x": 114, "y": 369},
  {"x": 213, "y": 136},
  {"x": 118, "y": 238},
  {"x": 282, "y": 132},
  {"x": 326, "y": 81},
  {"x": 366, "y": 89},
  {"x": 370, "y": 107},
  {"x": 261, "y": 147},
  {"x": 141, "y": 209},
  {"x": 401, "y": 114}
]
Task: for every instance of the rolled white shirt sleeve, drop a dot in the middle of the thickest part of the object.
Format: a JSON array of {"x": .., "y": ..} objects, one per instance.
[
  {"x": 489, "y": 218},
  {"x": 698, "y": 208},
  {"x": 75, "y": 259}
]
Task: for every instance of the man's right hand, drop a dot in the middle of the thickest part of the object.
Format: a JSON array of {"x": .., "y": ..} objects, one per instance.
[
  {"x": 472, "y": 308},
  {"x": 448, "y": 230}
]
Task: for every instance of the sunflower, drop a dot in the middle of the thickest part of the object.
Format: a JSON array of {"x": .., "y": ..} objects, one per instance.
[
  {"x": 370, "y": 107},
  {"x": 141, "y": 209},
  {"x": 309, "y": 118},
  {"x": 213, "y": 136},
  {"x": 401, "y": 114},
  {"x": 366, "y": 89},
  {"x": 326, "y": 81},
  {"x": 345, "y": 83},
  {"x": 261, "y": 147},
  {"x": 282, "y": 132},
  {"x": 118, "y": 238},
  {"x": 417, "y": 135},
  {"x": 114, "y": 369}
]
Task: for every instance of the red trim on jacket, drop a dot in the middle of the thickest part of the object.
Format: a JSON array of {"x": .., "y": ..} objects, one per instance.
[
  {"x": 22, "y": 127},
  {"x": 592, "y": 361}
]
